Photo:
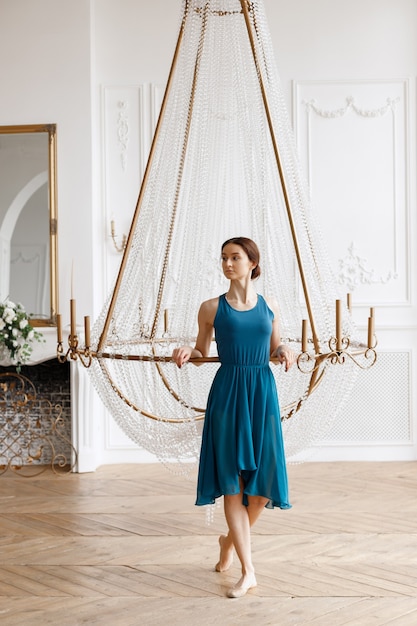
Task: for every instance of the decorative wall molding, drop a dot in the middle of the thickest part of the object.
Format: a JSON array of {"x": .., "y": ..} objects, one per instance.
[
  {"x": 351, "y": 106},
  {"x": 353, "y": 142},
  {"x": 124, "y": 121},
  {"x": 130, "y": 114},
  {"x": 354, "y": 270},
  {"x": 123, "y": 131}
]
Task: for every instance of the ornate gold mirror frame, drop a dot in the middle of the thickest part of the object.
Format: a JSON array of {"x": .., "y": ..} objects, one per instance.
[{"x": 45, "y": 173}]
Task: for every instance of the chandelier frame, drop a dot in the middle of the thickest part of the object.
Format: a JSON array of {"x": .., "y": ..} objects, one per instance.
[{"x": 310, "y": 363}]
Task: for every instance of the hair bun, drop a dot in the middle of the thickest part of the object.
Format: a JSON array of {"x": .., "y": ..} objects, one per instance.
[{"x": 256, "y": 272}]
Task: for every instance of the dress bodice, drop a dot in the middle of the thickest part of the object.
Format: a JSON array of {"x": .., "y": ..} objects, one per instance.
[{"x": 243, "y": 337}]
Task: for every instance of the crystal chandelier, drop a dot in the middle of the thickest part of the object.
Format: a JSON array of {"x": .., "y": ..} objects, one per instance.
[{"x": 223, "y": 163}]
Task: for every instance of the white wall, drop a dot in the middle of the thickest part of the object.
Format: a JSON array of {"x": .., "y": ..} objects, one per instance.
[
  {"x": 331, "y": 50},
  {"x": 59, "y": 62},
  {"x": 45, "y": 78},
  {"x": 358, "y": 44}
]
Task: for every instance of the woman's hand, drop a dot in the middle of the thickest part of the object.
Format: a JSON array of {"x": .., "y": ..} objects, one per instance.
[
  {"x": 285, "y": 355},
  {"x": 182, "y": 355}
]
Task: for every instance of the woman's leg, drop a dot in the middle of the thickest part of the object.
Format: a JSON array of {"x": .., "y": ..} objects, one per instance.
[
  {"x": 255, "y": 507},
  {"x": 239, "y": 520}
]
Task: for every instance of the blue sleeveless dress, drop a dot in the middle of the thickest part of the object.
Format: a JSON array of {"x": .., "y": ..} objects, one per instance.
[{"x": 242, "y": 428}]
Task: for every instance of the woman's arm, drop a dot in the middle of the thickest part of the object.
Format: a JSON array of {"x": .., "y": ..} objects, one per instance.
[
  {"x": 279, "y": 350},
  {"x": 206, "y": 316}
]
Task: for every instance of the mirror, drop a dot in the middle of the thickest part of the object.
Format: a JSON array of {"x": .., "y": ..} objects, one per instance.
[{"x": 28, "y": 220}]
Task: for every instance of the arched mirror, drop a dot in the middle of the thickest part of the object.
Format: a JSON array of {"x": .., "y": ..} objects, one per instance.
[{"x": 28, "y": 220}]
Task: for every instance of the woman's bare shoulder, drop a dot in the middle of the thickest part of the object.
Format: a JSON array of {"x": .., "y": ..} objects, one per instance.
[
  {"x": 273, "y": 304},
  {"x": 208, "y": 309},
  {"x": 211, "y": 304}
]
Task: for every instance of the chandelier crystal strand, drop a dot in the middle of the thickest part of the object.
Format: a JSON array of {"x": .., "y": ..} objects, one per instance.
[{"x": 214, "y": 173}]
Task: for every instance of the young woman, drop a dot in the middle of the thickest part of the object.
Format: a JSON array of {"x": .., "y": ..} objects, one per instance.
[{"x": 242, "y": 452}]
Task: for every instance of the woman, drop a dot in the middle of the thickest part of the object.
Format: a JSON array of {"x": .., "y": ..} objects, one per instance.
[{"x": 242, "y": 452}]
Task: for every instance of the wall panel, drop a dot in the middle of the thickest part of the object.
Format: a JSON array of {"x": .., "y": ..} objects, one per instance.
[{"x": 353, "y": 141}]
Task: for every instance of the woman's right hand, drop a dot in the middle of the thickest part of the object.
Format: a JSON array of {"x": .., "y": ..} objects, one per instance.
[{"x": 182, "y": 355}]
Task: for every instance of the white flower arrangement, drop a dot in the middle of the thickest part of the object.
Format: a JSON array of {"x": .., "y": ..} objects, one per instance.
[{"x": 16, "y": 333}]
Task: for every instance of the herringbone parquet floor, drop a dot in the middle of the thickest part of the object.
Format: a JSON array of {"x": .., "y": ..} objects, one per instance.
[{"x": 125, "y": 546}]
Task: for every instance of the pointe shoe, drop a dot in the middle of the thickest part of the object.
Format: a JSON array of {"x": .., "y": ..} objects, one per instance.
[
  {"x": 217, "y": 567},
  {"x": 238, "y": 591}
]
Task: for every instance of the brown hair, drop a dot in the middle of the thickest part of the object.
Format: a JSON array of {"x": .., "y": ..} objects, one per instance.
[{"x": 251, "y": 250}]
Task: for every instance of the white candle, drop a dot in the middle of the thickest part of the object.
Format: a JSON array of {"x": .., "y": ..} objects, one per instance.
[
  {"x": 73, "y": 318},
  {"x": 338, "y": 325},
  {"x": 349, "y": 301},
  {"x": 87, "y": 331},
  {"x": 304, "y": 336},
  {"x": 59, "y": 327},
  {"x": 370, "y": 332}
]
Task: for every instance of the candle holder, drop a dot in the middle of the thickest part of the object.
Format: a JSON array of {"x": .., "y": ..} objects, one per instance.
[
  {"x": 119, "y": 248},
  {"x": 74, "y": 351},
  {"x": 341, "y": 348},
  {"x": 310, "y": 362}
]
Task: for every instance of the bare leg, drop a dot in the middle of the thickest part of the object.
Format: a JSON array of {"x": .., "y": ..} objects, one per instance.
[
  {"x": 238, "y": 521},
  {"x": 254, "y": 509},
  {"x": 226, "y": 553}
]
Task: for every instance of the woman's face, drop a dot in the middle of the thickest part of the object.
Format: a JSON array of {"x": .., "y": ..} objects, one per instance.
[{"x": 235, "y": 262}]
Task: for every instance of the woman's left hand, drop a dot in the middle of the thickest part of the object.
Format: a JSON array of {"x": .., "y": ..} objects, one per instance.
[{"x": 285, "y": 355}]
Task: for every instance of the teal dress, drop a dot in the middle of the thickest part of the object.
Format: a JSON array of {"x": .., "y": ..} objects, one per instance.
[{"x": 242, "y": 433}]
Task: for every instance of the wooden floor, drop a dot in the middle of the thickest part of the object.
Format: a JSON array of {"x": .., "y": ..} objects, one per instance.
[{"x": 126, "y": 546}]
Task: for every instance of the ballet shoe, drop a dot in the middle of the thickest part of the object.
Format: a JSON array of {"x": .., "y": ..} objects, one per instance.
[
  {"x": 238, "y": 591},
  {"x": 218, "y": 567}
]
